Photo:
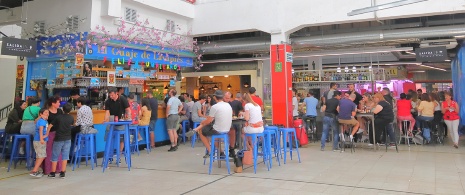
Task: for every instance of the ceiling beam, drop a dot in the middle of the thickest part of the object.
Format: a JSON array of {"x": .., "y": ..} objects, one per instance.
[{"x": 383, "y": 6}]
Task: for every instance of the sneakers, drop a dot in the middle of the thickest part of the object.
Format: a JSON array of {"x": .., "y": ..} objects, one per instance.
[
  {"x": 62, "y": 175},
  {"x": 322, "y": 149},
  {"x": 21, "y": 151},
  {"x": 36, "y": 174},
  {"x": 206, "y": 156},
  {"x": 190, "y": 133},
  {"x": 51, "y": 175},
  {"x": 351, "y": 137}
]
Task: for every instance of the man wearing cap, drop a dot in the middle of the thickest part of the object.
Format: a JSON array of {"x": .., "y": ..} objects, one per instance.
[
  {"x": 256, "y": 99},
  {"x": 222, "y": 113}
]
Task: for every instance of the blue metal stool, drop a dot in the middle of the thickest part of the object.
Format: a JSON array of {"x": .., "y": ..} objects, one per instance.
[
  {"x": 216, "y": 156},
  {"x": 185, "y": 126},
  {"x": 116, "y": 147},
  {"x": 194, "y": 137},
  {"x": 289, "y": 135},
  {"x": 274, "y": 140},
  {"x": 85, "y": 147},
  {"x": 147, "y": 137},
  {"x": 255, "y": 140},
  {"x": 15, "y": 153},
  {"x": 271, "y": 138},
  {"x": 3, "y": 139},
  {"x": 134, "y": 131}
]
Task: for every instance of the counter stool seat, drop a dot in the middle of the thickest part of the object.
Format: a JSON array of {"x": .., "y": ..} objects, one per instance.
[
  {"x": 194, "y": 137},
  {"x": 346, "y": 129},
  {"x": 134, "y": 143},
  {"x": 85, "y": 147},
  {"x": 15, "y": 157},
  {"x": 289, "y": 136},
  {"x": 217, "y": 155},
  {"x": 145, "y": 129},
  {"x": 185, "y": 127},
  {"x": 271, "y": 138}
]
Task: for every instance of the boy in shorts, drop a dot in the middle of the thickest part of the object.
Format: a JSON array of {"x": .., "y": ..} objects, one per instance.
[
  {"x": 62, "y": 142},
  {"x": 40, "y": 141}
]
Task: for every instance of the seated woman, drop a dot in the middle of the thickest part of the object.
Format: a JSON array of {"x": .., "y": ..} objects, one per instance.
[
  {"x": 15, "y": 118},
  {"x": 253, "y": 116},
  {"x": 404, "y": 108},
  {"x": 383, "y": 116},
  {"x": 366, "y": 103},
  {"x": 425, "y": 113},
  {"x": 146, "y": 112}
]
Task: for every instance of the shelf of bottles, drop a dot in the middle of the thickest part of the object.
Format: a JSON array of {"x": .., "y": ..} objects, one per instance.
[
  {"x": 99, "y": 82},
  {"x": 339, "y": 75}
]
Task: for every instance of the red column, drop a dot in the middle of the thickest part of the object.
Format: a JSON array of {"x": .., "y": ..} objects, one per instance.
[{"x": 281, "y": 85}]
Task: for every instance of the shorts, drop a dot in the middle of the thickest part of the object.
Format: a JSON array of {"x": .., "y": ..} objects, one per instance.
[
  {"x": 62, "y": 147},
  {"x": 152, "y": 125},
  {"x": 249, "y": 129},
  {"x": 41, "y": 149},
  {"x": 200, "y": 119},
  {"x": 172, "y": 121},
  {"x": 348, "y": 122},
  {"x": 208, "y": 131}
]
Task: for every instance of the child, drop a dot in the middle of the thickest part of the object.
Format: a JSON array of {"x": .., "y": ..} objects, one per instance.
[
  {"x": 40, "y": 141},
  {"x": 62, "y": 142}
]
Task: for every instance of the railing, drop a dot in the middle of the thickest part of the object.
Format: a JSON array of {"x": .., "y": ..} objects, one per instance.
[{"x": 5, "y": 111}]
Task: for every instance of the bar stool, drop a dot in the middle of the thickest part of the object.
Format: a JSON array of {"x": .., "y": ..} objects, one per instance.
[
  {"x": 311, "y": 122},
  {"x": 386, "y": 135},
  {"x": 194, "y": 137},
  {"x": 346, "y": 129},
  {"x": 185, "y": 126},
  {"x": 288, "y": 135},
  {"x": 405, "y": 126},
  {"x": 3, "y": 138},
  {"x": 270, "y": 139},
  {"x": 145, "y": 129},
  {"x": 255, "y": 143},
  {"x": 85, "y": 148},
  {"x": 274, "y": 139},
  {"x": 216, "y": 155},
  {"x": 134, "y": 144},
  {"x": 15, "y": 153},
  {"x": 426, "y": 125}
]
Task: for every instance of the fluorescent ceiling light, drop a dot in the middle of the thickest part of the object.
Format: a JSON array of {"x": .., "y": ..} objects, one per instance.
[
  {"x": 383, "y": 6},
  {"x": 418, "y": 71},
  {"x": 422, "y": 65},
  {"x": 352, "y": 52}
]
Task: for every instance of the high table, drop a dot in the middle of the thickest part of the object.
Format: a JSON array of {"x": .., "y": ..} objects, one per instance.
[
  {"x": 371, "y": 116},
  {"x": 241, "y": 122},
  {"x": 109, "y": 145}
]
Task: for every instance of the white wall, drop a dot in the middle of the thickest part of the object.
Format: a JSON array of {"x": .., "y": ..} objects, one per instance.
[{"x": 221, "y": 17}]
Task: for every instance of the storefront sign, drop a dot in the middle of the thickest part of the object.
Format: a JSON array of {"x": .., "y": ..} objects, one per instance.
[
  {"x": 278, "y": 67},
  {"x": 18, "y": 47},
  {"x": 136, "y": 81},
  {"x": 79, "y": 59},
  {"x": 289, "y": 57},
  {"x": 150, "y": 58},
  {"x": 111, "y": 78},
  {"x": 391, "y": 71},
  {"x": 431, "y": 54}
]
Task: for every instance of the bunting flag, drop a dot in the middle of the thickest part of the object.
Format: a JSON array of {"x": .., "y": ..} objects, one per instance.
[
  {"x": 175, "y": 67},
  {"x": 129, "y": 62},
  {"x": 112, "y": 61},
  {"x": 167, "y": 67},
  {"x": 123, "y": 61},
  {"x": 147, "y": 64},
  {"x": 153, "y": 64},
  {"x": 119, "y": 62},
  {"x": 104, "y": 59},
  {"x": 156, "y": 66}
]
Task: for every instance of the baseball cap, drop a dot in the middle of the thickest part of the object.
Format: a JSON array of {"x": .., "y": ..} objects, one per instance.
[{"x": 218, "y": 93}]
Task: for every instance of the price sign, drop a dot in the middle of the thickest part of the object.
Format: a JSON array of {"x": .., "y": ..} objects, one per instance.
[{"x": 391, "y": 71}]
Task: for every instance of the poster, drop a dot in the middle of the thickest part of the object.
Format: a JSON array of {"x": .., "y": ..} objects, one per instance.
[
  {"x": 79, "y": 59},
  {"x": 111, "y": 78}
]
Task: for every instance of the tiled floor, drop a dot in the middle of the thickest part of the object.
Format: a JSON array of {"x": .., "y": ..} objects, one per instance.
[{"x": 433, "y": 169}]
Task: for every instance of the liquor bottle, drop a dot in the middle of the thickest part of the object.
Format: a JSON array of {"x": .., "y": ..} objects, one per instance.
[{"x": 315, "y": 78}]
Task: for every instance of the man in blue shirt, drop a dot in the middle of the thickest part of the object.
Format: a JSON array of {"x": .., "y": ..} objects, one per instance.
[
  {"x": 347, "y": 110},
  {"x": 310, "y": 104}
]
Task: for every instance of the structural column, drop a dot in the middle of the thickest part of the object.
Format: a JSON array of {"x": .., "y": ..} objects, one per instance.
[{"x": 281, "y": 84}]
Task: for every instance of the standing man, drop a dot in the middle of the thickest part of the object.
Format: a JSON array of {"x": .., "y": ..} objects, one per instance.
[
  {"x": 236, "y": 129},
  {"x": 330, "y": 93},
  {"x": 153, "y": 117},
  {"x": 310, "y": 104},
  {"x": 118, "y": 106},
  {"x": 121, "y": 92},
  {"x": 222, "y": 113},
  {"x": 347, "y": 110},
  {"x": 173, "y": 108},
  {"x": 295, "y": 104},
  {"x": 358, "y": 97},
  {"x": 256, "y": 99},
  {"x": 74, "y": 95},
  {"x": 330, "y": 120}
]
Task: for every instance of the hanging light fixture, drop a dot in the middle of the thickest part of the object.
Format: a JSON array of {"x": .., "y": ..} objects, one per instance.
[
  {"x": 339, "y": 66},
  {"x": 210, "y": 77},
  {"x": 215, "y": 87},
  {"x": 226, "y": 76},
  {"x": 202, "y": 88},
  {"x": 166, "y": 87},
  {"x": 354, "y": 69},
  {"x": 229, "y": 86},
  {"x": 346, "y": 69},
  {"x": 246, "y": 84}
]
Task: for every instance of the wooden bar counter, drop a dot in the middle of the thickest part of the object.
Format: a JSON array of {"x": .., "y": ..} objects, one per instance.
[{"x": 99, "y": 115}]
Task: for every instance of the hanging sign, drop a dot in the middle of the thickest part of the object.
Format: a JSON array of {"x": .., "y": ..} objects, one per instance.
[
  {"x": 111, "y": 78},
  {"x": 136, "y": 81},
  {"x": 278, "y": 67},
  {"x": 431, "y": 54},
  {"x": 18, "y": 47},
  {"x": 79, "y": 59},
  {"x": 289, "y": 57}
]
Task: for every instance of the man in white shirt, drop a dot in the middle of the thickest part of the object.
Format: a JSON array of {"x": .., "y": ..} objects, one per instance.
[
  {"x": 221, "y": 112},
  {"x": 295, "y": 104}
]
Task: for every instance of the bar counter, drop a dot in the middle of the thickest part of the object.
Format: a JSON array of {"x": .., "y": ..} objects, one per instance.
[{"x": 161, "y": 134}]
